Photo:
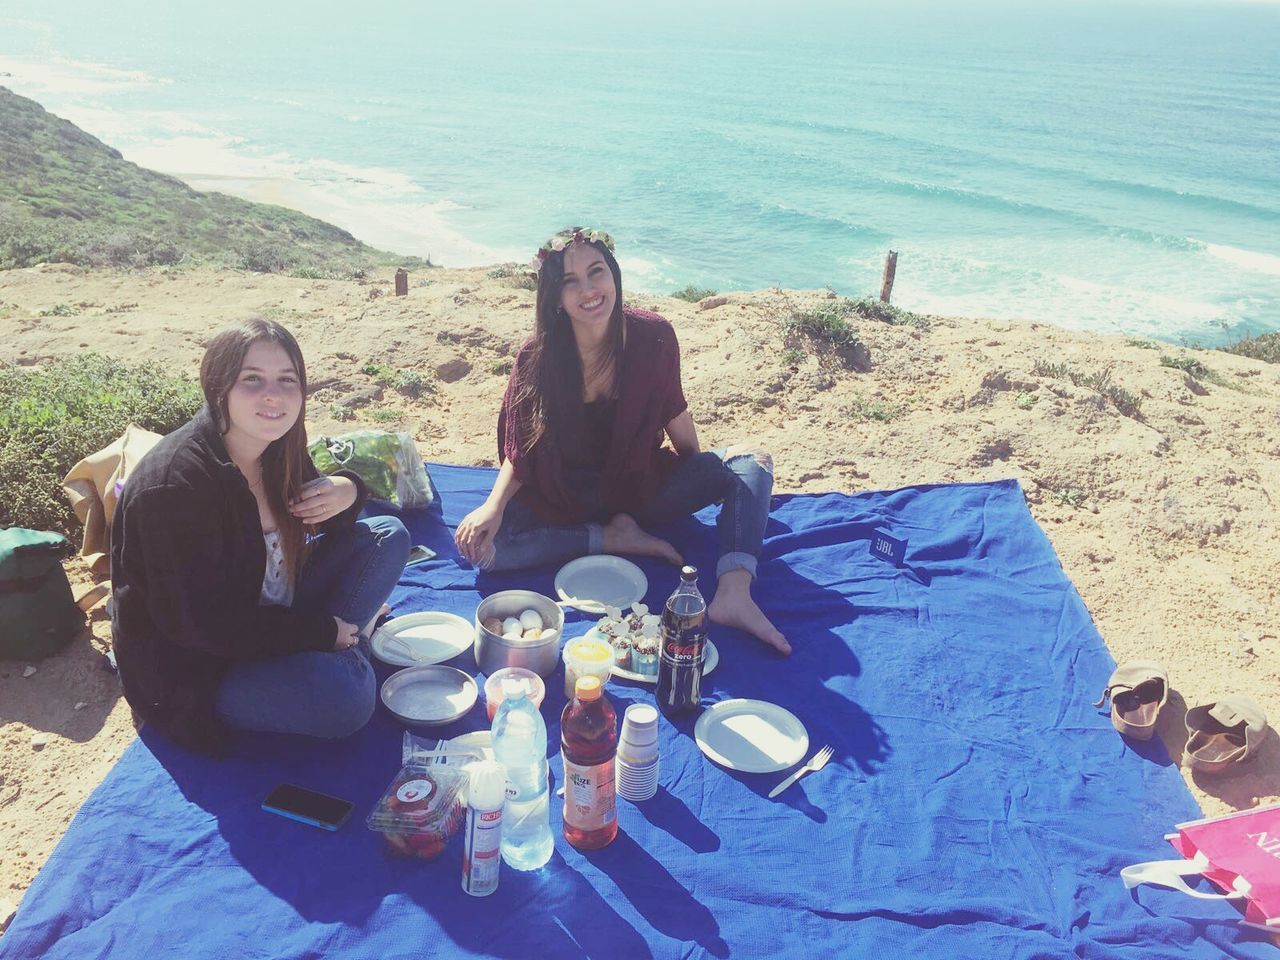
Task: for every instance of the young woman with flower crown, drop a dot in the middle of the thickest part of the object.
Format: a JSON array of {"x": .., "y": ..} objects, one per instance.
[
  {"x": 580, "y": 437},
  {"x": 244, "y": 585}
]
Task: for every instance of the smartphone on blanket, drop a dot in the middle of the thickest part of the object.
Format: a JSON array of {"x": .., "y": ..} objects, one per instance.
[
  {"x": 420, "y": 554},
  {"x": 308, "y": 806}
]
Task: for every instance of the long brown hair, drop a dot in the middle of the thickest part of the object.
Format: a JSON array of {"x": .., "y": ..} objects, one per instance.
[
  {"x": 285, "y": 460},
  {"x": 549, "y": 390}
]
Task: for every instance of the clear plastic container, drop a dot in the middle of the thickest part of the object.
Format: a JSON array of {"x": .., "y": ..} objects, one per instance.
[
  {"x": 493, "y": 692},
  {"x": 421, "y": 810},
  {"x": 586, "y": 658}
]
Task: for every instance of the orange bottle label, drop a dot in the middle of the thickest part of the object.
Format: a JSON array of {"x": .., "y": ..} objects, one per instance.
[{"x": 589, "y": 800}]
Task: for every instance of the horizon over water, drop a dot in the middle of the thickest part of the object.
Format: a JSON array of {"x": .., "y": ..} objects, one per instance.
[{"x": 1113, "y": 168}]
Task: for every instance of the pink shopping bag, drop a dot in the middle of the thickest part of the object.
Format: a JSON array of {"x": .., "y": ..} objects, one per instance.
[{"x": 1238, "y": 853}]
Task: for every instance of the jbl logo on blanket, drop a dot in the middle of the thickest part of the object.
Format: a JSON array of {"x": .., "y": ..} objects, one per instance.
[{"x": 887, "y": 548}]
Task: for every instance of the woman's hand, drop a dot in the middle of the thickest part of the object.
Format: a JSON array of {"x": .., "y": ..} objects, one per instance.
[
  {"x": 323, "y": 499},
  {"x": 476, "y": 533},
  {"x": 348, "y": 636}
]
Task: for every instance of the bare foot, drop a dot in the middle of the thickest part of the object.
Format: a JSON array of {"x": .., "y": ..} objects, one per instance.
[
  {"x": 368, "y": 630},
  {"x": 624, "y": 535},
  {"x": 734, "y": 606}
]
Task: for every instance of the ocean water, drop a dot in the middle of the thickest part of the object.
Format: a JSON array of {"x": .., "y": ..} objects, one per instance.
[{"x": 1111, "y": 167}]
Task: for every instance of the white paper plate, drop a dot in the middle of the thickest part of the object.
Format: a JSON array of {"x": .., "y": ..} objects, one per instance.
[
  {"x": 601, "y": 581},
  {"x": 751, "y": 735},
  {"x": 429, "y": 696},
  {"x": 479, "y": 740},
  {"x": 434, "y": 636},
  {"x": 711, "y": 661}
]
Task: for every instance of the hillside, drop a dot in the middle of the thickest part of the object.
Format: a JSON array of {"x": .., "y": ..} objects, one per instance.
[{"x": 65, "y": 196}]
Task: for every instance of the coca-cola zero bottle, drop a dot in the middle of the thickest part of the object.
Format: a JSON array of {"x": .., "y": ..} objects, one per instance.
[{"x": 684, "y": 644}]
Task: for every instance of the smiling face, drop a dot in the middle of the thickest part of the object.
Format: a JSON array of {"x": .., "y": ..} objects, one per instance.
[
  {"x": 587, "y": 293},
  {"x": 266, "y": 398}
]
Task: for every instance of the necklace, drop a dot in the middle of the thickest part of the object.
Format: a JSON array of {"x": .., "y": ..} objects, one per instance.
[{"x": 253, "y": 484}]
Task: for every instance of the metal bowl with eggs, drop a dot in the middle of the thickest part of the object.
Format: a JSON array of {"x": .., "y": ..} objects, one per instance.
[{"x": 518, "y": 628}]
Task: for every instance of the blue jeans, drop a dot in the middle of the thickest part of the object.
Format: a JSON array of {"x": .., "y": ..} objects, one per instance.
[
  {"x": 348, "y": 575},
  {"x": 741, "y": 484}
]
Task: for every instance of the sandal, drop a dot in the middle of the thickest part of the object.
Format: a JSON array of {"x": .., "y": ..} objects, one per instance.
[
  {"x": 1138, "y": 690},
  {"x": 1223, "y": 733}
]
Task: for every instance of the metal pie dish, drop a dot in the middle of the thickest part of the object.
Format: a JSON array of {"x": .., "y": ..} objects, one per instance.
[
  {"x": 429, "y": 696},
  {"x": 493, "y": 652}
]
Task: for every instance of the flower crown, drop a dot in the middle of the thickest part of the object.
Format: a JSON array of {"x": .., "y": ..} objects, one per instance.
[{"x": 565, "y": 237}]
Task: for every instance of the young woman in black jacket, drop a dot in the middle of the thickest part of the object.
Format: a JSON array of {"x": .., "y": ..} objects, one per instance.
[{"x": 244, "y": 586}]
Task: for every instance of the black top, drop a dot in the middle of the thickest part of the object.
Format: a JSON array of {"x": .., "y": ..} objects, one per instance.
[
  {"x": 595, "y": 435},
  {"x": 187, "y": 558}
]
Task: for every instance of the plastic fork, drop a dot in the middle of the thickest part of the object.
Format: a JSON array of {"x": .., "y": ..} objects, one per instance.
[
  {"x": 408, "y": 650},
  {"x": 816, "y": 763}
]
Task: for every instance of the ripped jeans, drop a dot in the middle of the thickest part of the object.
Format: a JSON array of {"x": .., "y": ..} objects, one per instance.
[{"x": 740, "y": 483}]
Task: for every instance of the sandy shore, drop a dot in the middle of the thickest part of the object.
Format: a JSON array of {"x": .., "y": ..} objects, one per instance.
[{"x": 1166, "y": 525}]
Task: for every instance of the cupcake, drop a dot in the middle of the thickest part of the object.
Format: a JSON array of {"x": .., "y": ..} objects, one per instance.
[
  {"x": 621, "y": 651},
  {"x": 636, "y": 621},
  {"x": 611, "y": 627},
  {"x": 644, "y": 656}
]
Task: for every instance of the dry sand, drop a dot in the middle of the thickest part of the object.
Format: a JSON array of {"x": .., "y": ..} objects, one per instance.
[{"x": 1167, "y": 526}]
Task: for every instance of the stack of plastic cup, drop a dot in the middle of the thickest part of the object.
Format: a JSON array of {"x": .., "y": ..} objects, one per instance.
[{"x": 636, "y": 767}]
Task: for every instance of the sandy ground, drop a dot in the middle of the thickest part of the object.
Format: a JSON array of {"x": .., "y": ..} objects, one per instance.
[{"x": 1167, "y": 526}]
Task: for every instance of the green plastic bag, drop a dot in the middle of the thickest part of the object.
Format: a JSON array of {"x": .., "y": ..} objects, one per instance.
[
  {"x": 37, "y": 613},
  {"x": 388, "y": 463}
]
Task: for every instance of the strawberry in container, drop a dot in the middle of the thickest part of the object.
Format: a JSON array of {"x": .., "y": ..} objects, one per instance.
[{"x": 421, "y": 810}]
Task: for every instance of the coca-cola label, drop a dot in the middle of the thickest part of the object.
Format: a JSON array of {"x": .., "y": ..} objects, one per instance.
[{"x": 688, "y": 651}]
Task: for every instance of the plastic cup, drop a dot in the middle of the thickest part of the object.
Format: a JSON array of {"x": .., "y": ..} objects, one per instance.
[
  {"x": 636, "y": 766},
  {"x": 586, "y": 658},
  {"x": 640, "y": 724},
  {"x": 493, "y": 694}
]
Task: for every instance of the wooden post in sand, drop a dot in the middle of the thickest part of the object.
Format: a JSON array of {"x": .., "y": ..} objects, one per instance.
[
  {"x": 890, "y": 267},
  {"x": 402, "y": 282}
]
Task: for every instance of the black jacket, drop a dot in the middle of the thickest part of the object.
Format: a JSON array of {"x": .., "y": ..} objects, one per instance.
[{"x": 187, "y": 559}]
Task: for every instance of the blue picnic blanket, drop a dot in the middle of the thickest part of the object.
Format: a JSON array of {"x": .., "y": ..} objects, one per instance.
[{"x": 977, "y": 805}]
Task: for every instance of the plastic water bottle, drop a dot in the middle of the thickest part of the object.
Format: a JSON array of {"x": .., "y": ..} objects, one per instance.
[{"x": 520, "y": 745}]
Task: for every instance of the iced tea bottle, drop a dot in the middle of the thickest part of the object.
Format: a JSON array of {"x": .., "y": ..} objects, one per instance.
[{"x": 588, "y": 745}]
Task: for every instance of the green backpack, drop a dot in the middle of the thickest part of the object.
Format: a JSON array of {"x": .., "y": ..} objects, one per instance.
[{"x": 37, "y": 613}]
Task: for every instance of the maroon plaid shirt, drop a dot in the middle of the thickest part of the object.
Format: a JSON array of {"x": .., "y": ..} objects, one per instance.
[{"x": 649, "y": 397}]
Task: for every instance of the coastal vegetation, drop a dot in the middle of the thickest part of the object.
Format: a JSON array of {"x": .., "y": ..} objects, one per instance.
[
  {"x": 51, "y": 418},
  {"x": 1264, "y": 347},
  {"x": 67, "y": 197},
  {"x": 1125, "y": 402},
  {"x": 692, "y": 294}
]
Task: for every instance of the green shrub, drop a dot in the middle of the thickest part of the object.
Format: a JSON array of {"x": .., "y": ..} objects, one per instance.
[
  {"x": 825, "y": 332},
  {"x": 502, "y": 367},
  {"x": 874, "y": 309},
  {"x": 412, "y": 384},
  {"x": 694, "y": 294},
  {"x": 1025, "y": 399},
  {"x": 52, "y": 418},
  {"x": 314, "y": 273},
  {"x": 1125, "y": 402},
  {"x": 793, "y": 357},
  {"x": 387, "y": 415},
  {"x": 1264, "y": 347},
  {"x": 265, "y": 256},
  {"x": 340, "y": 411},
  {"x": 879, "y": 410},
  {"x": 521, "y": 277},
  {"x": 380, "y": 372},
  {"x": 826, "y": 324},
  {"x": 1187, "y": 365},
  {"x": 60, "y": 310},
  {"x": 1068, "y": 497}
]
